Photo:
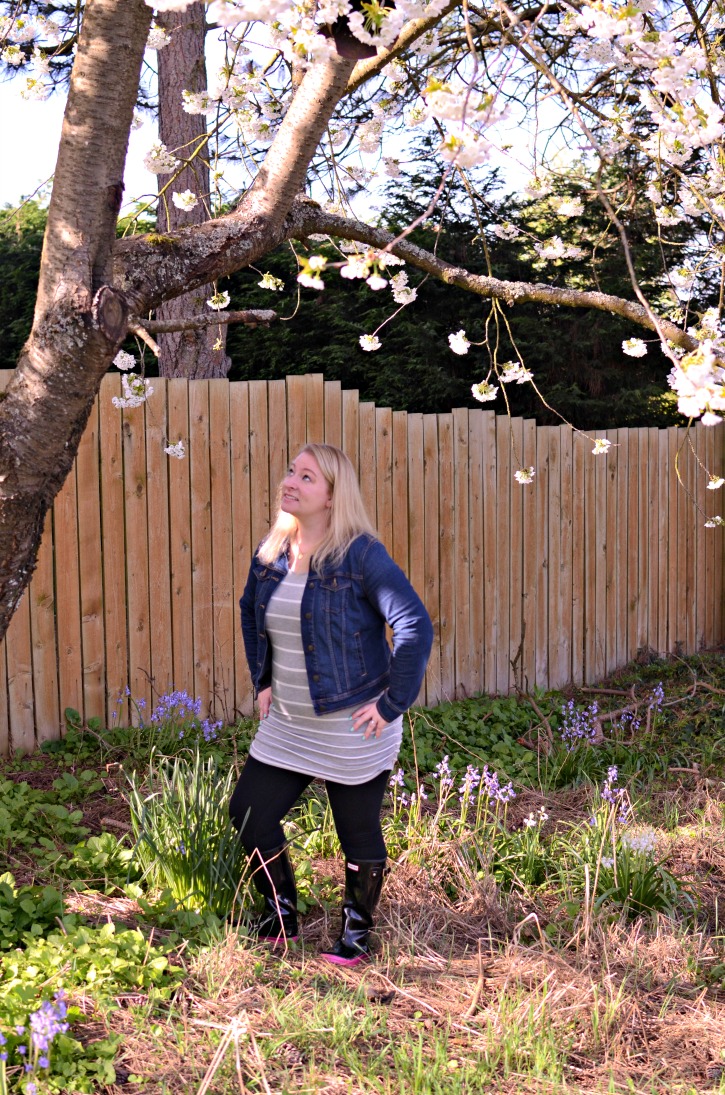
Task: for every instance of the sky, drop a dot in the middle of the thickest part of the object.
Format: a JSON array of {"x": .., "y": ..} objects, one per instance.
[{"x": 29, "y": 137}]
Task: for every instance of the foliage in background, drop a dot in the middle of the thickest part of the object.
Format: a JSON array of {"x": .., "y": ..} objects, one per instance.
[{"x": 576, "y": 355}]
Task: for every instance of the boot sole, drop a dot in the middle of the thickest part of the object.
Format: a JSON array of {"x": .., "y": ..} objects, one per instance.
[{"x": 336, "y": 960}]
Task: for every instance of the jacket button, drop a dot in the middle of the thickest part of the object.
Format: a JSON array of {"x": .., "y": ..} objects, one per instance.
[
  {"x": 315, "y": 676},
  {"x": 310, "y": 585},
  {"x": 262, "y": 635},
  {"x": 308, "y": 615},
  {"x": 311, "y": 646}
]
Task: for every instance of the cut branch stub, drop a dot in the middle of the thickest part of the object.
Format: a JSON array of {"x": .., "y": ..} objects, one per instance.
[{"x": 110, "y": 313}]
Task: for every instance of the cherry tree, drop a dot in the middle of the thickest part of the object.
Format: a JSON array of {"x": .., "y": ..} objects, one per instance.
[{"x": 311, "y": 93}]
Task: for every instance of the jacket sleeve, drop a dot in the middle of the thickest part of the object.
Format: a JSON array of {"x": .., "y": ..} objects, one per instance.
[
  {"x": 392, "y": 595},
  {"x": 249, "y": 622}
]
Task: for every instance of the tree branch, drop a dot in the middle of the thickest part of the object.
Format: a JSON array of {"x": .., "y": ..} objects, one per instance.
[
  {"x": 251, "y": 317},
  {"x": 315, "y": 220},
  {"x": 410, "y": 33}
]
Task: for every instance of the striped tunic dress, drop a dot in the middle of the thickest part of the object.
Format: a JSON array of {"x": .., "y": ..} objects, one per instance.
[{"x": 293, "y": 736}]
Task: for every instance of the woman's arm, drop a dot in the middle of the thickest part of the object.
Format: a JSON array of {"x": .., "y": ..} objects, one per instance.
[
  {"x": 394, "y": 598},
  {"x": 249, "y": 620}
]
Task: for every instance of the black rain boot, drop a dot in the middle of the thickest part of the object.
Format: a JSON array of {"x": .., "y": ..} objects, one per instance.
[
  {"x": 363, "y": 883},
  {"x": 275, "y": 881}
]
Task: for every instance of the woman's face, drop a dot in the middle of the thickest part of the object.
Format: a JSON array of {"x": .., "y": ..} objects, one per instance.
[{"x": 305, "y": 491}]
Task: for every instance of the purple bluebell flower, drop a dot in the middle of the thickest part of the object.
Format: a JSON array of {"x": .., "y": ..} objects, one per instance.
[
  {"x": 46, "y": 1022},
  {"x": 578, "y": 726},
  {"x": 397, "y": 779}
]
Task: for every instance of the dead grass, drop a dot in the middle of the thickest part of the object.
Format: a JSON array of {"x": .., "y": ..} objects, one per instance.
[{"x": 631, "y": 1011}]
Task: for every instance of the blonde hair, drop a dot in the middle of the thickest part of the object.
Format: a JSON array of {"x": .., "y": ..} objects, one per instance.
[{"x": 348, "y": 517}]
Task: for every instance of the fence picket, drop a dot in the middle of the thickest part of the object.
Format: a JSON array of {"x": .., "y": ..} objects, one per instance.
[
  {"x": 529, "y": 551},
  {"x": 384, "y": 479},
  {"x": 157, "y": 486},
  {"x": 180, "y": 539},
  {"x": 315, "y": 407},
  {"x": 45, "y": 653},
  {"x": 222, "y": 586},
  {"x": 447, "y": 549},
  {"x": 516, "y": 550},
  {"x": 333, "y": 413},
  {"x": 504, "y": 473},
  {"x": 462, "y": 556},
  {"x": 475, "y": 592},
  {"x": 400, "y": 489},
  {"x": 67, "y": 597},
  {"x": 431, "y": 538},
  {"x": 137, "y": 561},
  {"x": 243, "y": 543},
  {"x": 115, "y": 618}
]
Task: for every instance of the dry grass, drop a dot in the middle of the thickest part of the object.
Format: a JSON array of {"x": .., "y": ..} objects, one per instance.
[{"x": 627, "y": 1007}]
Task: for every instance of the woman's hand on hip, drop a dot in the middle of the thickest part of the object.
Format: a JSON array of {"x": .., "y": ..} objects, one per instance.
[
  {"x": 264, "y": 699},
  {"x": 369, "y": 714}
]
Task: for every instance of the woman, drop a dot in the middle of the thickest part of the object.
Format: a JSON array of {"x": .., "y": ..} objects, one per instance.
[{"x": 331, "y": 695}]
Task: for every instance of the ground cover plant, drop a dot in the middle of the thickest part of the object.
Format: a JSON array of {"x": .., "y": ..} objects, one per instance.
[{"x": 553, "y": 920}]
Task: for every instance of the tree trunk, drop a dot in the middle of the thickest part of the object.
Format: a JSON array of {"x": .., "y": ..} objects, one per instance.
[
  {"x": 182, "y": 67},
  {"x": 80, "y": 321}
]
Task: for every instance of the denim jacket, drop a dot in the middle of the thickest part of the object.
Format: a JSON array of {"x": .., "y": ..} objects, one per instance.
[{"x": 343, "y": 615}]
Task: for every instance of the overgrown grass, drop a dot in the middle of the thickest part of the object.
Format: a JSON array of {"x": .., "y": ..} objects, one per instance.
[{"x": 554, "y": 920}]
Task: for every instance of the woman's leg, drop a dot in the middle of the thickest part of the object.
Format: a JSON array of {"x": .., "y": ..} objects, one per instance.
[
  {"x": 262, "y": 797},
  {"x": 356, "y": 811}
]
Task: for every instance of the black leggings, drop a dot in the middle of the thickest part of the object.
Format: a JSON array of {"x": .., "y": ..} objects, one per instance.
[{"x": 268, "y": 793}]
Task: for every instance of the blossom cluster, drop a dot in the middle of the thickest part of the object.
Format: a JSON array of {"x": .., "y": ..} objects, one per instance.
[{"x": 136, "y": 390}]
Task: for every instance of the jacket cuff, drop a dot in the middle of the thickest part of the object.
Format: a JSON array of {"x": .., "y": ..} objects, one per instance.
[{"x": 386, "y": 709}]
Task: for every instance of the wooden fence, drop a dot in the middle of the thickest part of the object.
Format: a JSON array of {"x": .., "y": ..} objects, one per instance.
[{"x": 144, "y": 557}]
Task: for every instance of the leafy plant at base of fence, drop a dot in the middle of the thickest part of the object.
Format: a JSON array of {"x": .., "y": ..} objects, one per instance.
[
  {"x": 26, "y": 910},
  {"x": 185, "y": 840},
  {"x": 97, "y": 960},
  {"x": 26, "y": 815},
  {"x": 481, "y": 730},
  {"x": 101, "y": 861}
]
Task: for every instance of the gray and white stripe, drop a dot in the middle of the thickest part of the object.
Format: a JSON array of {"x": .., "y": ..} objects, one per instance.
[{"x": 293, "y": 736}]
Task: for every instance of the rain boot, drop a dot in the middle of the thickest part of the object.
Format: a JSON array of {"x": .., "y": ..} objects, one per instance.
[
  {"x": 275, "y": 881},
  {"x": 363, "y": 883}
]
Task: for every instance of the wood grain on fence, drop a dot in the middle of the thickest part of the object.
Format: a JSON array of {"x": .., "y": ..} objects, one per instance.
[{"x": 144, "y": 557}]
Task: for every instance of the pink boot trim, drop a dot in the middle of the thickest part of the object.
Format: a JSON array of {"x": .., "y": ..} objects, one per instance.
[{"x": 337, "y": 961}]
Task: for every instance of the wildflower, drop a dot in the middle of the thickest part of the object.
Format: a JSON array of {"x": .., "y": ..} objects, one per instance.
[
  {"x": 484, "y": 392},
  {"x": 124, "y": 361},
  {"x": 13, "y": 55},
  {"x": 530, "y": 821},
  {"x": 185, "y": 199},
  {"x": 493, "y": 788},
  {"x": 43, "y": 1062},
  {"x": 469, "y": 783},
  {"x": 578, "y": 726},
  {"x": 210, "y": 730},
  {"x": 269, "y": 281},
  {"x": 543, "y": 816},
  {"x": 643, "y": 843},
  {"x": 612, "y": 774},
  {"x": 219, "y": 301},
  {"x": 634, "y": 347},
  {"x": 601, "y": 445},
  {"x": 444, "y": 774},
  {"x": 607, "y": 861},
  {"x": 370, "y": 342},
  {"x": 715, "y": 482},
  {"x": 657, "y": 698},
  {"x": 175, "y": 706},
  {"x": 524, "y": 475},
  {"x": 421, "y": 793},
  {"x": 459, "y": 343},
  {"x": 398, "y": 779},
  {"x": 182, "y": 848}
]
